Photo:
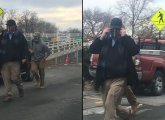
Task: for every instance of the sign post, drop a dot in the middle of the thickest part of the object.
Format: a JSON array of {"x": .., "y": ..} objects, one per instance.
[{"x": 159, "y": 35}]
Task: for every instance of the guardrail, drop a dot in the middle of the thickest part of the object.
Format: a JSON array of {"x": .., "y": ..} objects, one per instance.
[{"x": 63, "y": 48}]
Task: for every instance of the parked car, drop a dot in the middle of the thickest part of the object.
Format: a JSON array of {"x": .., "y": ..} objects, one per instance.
[
  {"x": 150, "y": 66},
  {"x": 86, "y": 63},
  {"x": 26, "y": 74}
]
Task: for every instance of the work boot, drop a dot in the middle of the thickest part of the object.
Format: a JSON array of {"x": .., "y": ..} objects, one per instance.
[
  {"x": 37, "y": 83},
  {"x": 19, "y": 85},
  {"x": 42, "y": 84},
  {"x": 8, "y": 98},
  {"x": 130, "y": 115},
  {"x": 20, "y": 89},
  {"x": 128, "y": 118},
  {"x": 134, "y": 109}
]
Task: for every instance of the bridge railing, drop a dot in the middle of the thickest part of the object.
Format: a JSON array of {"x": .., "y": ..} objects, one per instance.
[{"x": 63, "y": 48}]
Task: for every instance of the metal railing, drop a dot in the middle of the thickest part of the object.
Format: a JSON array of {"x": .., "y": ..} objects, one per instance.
[
  {"x": 63, "y": 48},
  {"x": 59, "y": 48}
]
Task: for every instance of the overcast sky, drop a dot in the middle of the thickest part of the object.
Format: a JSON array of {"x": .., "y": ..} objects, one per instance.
[
  {"x": 105, "y": 5},
  {"x": 64, "y": 13}
]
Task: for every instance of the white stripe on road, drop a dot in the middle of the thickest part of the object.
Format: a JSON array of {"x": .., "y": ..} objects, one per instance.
[
  {"x": 139, "y": 106},
  {"x": 92, "y": 98},
  {"x": 141, "y": 111},
  {"x": 97, "y": 110}
]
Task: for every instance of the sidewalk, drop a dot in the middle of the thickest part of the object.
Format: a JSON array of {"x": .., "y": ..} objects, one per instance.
[{"x": 92, "y": 101}]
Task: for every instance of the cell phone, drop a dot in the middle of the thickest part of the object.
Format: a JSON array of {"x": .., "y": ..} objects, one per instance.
[{"x": 115, "y": 33}]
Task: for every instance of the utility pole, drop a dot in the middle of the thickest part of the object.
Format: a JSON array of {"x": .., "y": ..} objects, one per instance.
[{"x": 159, "y": 35}]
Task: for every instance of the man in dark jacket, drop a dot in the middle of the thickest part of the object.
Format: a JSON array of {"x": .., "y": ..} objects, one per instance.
[
  {"x": 116, "y": 53},
  {"x": 13, "y": 52}
]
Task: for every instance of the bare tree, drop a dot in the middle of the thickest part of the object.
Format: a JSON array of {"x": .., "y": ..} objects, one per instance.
[
  {"x": 93, "y": 22},
  {"x": 45, "y": 27},
  {"x": 74, "y": 30},
  {"x": 9, "y": 14},
  {"x": 29, "y": 22},
  {"x": 133, "y": 11},
  {"x": 33, "y": 22},
  {"x": 50, "y": 28},
  {"x": 24, "y": 21},
  {"x": 12, "y": 14}
]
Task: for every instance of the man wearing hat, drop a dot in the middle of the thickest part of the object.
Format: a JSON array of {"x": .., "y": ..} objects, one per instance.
[
  {"x": 13, "y": 52},
  {"x": 115, "y": 59},
  {"x": 39, "y": 53}
]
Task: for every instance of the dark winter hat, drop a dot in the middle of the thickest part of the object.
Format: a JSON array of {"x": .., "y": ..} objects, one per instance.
[
  {"x": 116, "y": 23},
  {"x": 10, "y": 22}
]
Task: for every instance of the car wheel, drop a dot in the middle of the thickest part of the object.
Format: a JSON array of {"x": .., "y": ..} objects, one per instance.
[
  {"x": 158, "y": 83},
  {"x": 27, "y": 77}
]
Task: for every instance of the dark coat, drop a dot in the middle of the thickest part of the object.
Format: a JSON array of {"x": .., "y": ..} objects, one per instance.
[
  {"x": 15, "y": 49},
  {"x": 101, "y": 47}
]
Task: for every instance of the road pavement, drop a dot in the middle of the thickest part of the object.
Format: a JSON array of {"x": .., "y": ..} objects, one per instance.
[
  {"x": 152, "y": 107},
  {"x": 60, "y": 100}
]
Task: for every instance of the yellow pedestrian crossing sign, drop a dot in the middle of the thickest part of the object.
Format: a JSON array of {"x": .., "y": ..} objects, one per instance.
[
  {"x": 1, "y": 11},
  {"x": 158, "y": 19}
]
